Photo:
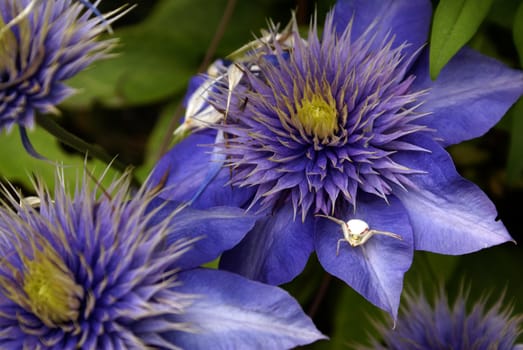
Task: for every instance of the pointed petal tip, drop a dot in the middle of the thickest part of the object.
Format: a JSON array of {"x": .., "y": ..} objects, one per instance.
[
  {"x": 449, "y": 214},
  {"x": 375, "y": 269},
  {"x": 237, "y": 313}
]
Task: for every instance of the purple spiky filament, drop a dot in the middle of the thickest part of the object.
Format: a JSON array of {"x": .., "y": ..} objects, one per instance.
[
  {"x": 88, "y": 271},
  {"x": 317, "y": 164},
  {"x": 439, "y": 325},
  {"x": 44, "y": 43}
]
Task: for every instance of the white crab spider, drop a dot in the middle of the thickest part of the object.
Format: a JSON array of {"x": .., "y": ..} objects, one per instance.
[
  {"x": 30, "y": 201},
  {"x": 356, "y": 232}
]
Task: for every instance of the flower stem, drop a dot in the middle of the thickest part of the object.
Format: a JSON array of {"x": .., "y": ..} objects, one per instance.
[
  {"x": 322, "y": 290},
  {"x": 53, "y": 128},
  {"x": 211, "y": 49}
]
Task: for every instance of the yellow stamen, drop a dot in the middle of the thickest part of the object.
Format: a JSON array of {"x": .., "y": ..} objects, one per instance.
[
  {"x": 52, "y": 293},
  {"x": 317, "y": 116}
]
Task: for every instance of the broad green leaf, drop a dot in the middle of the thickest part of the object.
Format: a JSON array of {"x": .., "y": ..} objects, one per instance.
[
  {"x": 158, "y": 56},
  {"x": 18, "y": 167},
  {"x": 455, "y": 22}
]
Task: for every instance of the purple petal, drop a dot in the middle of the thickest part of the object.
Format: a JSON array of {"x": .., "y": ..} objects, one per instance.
[
  {"x": 408, "y": 20},
  {"x": 374, "y": 269},
  {"x": 220, "y": 229},
  {"x": 449, "y": 215},
  {"x": 469, "y": 97},
  {"x": 182, "y": 171},
  {"x": 194, "y": 83},
  {"x": 231, "y": 312},
  {"x": 275, "y": 251}
]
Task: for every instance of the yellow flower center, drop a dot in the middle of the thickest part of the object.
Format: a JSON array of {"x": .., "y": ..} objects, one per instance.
[
  {"x": 52, "y": 293},
  {"x": 317, "y": 116}
]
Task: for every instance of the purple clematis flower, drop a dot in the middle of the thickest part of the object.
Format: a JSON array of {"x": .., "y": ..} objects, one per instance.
[
  {"x": 422, "y": 325},
  {"x": 339, "y": 142},
  {"x": 120, "y": 270},
  {"x": 43, "y": 44}
]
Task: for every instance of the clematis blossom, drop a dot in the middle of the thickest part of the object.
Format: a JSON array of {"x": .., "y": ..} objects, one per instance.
[
  {"x": 438, "y": 325},
  {"x": 346, "y": 126},
  {"x": 119, "y": 269},
  {"x": 43, "y": 44}
]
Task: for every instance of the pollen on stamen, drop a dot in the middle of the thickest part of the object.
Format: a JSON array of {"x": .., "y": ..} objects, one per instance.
[
  {"x": 318, "y": 117},
  {"x": 325, "y": 121},
  {"x": 52, "y": 294}
]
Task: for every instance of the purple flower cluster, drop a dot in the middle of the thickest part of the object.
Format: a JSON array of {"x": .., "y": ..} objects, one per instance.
[
  {"x": 341, "y": 137},
  {"x": 330, "y": 144},
  {"x": 113, "y": 269},
  {"x": 422, "y": 325},
  {"x": 44, "y": 43}
]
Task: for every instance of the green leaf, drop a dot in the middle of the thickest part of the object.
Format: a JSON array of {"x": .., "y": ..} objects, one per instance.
[
  {"x": 17, "y": 166},
  {"x": 157, "y": 57},
  {"x": 455, "y": 22}
]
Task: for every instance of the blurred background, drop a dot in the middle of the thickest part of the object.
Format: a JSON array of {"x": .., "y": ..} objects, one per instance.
[{"x": 129, "y": 105}]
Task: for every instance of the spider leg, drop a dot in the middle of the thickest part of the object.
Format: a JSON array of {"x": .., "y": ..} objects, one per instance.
[
  {"x": 332, "y": 218},
  {"x": 338, "y": 245},
  {"x": 385, "y": 233}
]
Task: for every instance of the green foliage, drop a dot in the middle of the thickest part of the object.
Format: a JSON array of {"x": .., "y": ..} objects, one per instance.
[
  {"x": 454, "y": 23},
  {"x": 158, "y": 56},
  {"x": 18, "y": 167}
]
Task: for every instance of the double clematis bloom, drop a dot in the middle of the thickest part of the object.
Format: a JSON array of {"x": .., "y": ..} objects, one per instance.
[
  {"x": 425, "y": 325},
  {"x": 43, "y": 44},
  {"x": 310, "y": 133},
  {"x": 115, "y": 269}
]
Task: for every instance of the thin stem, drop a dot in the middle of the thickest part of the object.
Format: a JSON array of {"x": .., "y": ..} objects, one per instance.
[
  {"x": 53, "y": 128},
  {"x": 302, "y": 12},
  {"x": 224, "y": 21},
  {"x": 322, "y": 291},
  {"x": 166, "y": 142},
  {"x": 220, "y": 30}
]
